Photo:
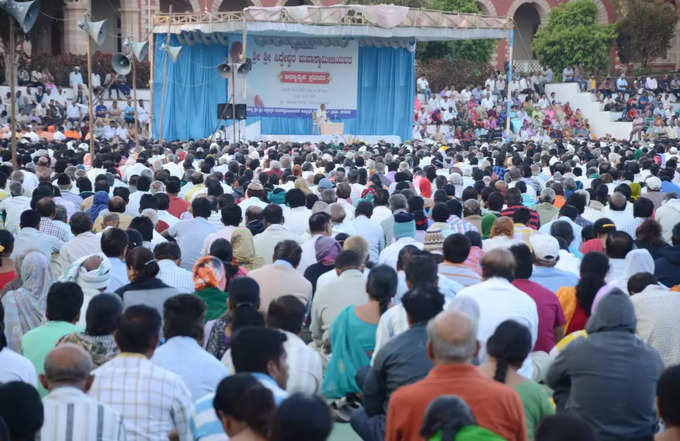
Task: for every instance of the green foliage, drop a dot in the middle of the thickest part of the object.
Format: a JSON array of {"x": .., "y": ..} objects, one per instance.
[
  {"x": 645, "y": 31},
  {"x": 572, "y": 36}
]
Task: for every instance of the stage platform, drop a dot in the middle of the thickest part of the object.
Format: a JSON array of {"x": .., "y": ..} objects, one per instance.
[{"x": 332, "y": 139}]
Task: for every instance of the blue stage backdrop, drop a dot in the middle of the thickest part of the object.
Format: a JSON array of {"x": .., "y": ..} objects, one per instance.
[{"x": 385, "y": 86}]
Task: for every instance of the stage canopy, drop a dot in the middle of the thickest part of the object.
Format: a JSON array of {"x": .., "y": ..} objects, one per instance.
[{"x": 384, "y": 38}]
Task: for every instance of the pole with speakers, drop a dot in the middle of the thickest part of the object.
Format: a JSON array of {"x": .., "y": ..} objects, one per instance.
[
  {"x": 26, "y": 14},
  {"x": 171, "y": 52},
  {"x": 227, "y": 69},
  {"x": 96, "y": 31},
  {"x": 122, "y": 64}
]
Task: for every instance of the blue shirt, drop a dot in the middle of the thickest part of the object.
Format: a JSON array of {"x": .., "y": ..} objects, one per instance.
[
  {"x": 552, "y": 278},
  {"x": 669, "y": 187},
  {"x": 204, "y": 425},
  {"x": 269, "y": 383}
]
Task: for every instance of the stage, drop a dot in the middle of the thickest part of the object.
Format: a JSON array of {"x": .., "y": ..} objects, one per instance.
[{"x": 357, "y": 61}]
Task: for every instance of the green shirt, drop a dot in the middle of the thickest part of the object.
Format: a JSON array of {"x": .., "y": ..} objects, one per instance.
[
  {"x": 38, "y": 342},
  {"x": 536, "y": 403}
]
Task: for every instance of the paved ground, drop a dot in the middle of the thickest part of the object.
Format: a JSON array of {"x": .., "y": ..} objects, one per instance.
[{"x": 343, "y": 432}]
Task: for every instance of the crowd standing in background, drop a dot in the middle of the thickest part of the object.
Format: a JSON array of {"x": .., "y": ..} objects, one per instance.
[{"x": 477, "y": 289}]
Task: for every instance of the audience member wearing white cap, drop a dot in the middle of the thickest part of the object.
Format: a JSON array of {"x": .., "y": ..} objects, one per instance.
[{"x": 546, "y": 253}]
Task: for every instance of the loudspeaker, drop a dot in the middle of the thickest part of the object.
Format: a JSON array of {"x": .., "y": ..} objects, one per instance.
[
  {"x": 224, "y": 111},
  {"x": 97, "y": 30},
  {"x": 224, "y": 70},
  {"x": 25, "y": 13},
  {"x": 121, "y": 64},
  {"x": 245, "y": 67},
  {"x": 140, "y": 49},
  {"x": 173, "y": 51}
]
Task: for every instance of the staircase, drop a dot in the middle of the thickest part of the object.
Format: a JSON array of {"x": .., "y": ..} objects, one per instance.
[{"x": 602, "y": 123}]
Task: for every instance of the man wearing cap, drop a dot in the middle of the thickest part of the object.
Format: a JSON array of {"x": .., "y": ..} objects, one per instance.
[
  {"x": 546, "y": 251},
  {"x": 653, "y": 192},
  {"x": 254, "y": 196},
  {"x": 404, "y": 232}
]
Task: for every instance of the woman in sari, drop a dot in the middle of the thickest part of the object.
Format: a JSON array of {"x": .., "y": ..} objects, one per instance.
[
  {"x": 244, "y": 249},
  {"x": 577, "y": 301},
  {"x": 210, "y": 281},
  {"x": 352, "y": 334},
  {"x": 326, "y": 250},
  {"x": 25, "y": 307},
  {"x": 7, "y": 269}
]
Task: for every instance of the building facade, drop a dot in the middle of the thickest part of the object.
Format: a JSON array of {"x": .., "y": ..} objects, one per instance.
[{"x": 131, "y": 18}]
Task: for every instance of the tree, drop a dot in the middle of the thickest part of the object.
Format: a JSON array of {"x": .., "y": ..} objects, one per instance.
[
  {"x": 572, "y": 36},
  {"x": 645, "y": 30},
  {"x": 479, "y": 51}
]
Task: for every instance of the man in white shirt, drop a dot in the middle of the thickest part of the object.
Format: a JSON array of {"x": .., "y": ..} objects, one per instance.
[
  {"x": 274, "y": 233},
  {"x": 297, "y": 217},
  {"x": 499, "y": 300},
  {"x": 29, "y": 238},
  {"x": 153, "y": 401},
  {"x": 404, "y": 232},
  {"x": 191, "y": 233},
  {"x": 254, "y": 196},
  {"x": 13, "y": 366},
  {"x": 330, "y": 300},
  {"x": 305, "y": 371},
  {"x": 69, "y": 412},
  {"x": 369, "y": 230},
  {"x": 231, "y": 219},
  {"x": 169, "y": 257},
  {"x": 114, "y": 245},
  {"x": 84, "y": 243},
  {"x": 143, "y": 185},
  {"x": 75, "y": 79},
  {"x": 14, "y": 206},
  {"x": 183, "y": 320}
]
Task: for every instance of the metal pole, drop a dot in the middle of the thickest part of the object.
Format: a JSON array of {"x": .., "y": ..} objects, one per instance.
[
  {"x": 134, "y": 94},
  {"x": 91, "y": 97},
  {"x": 509, "y": 101},
  {"x": 165, "y": 78},
  {"x": 12, "y": 87},
  {"x": 233, "y": 102},
  {"x": 151, "y": 58}
]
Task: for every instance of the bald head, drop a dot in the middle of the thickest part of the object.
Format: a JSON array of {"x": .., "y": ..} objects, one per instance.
[
  {"x": 498, "y": 262},
  {"x": 117, "y": 204},
  {"x": 452, "y": 338},
  {"x": 617, "y": 201},
  {"x": 67, "y": 365}
]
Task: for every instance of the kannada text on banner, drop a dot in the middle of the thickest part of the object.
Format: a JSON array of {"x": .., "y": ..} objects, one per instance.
[{"x": 292, "y": 82}]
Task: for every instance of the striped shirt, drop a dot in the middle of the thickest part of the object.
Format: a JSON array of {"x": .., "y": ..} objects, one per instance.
[
  {"x": 459, "y": 273},
  {"x": 205, "y": 426},
  {"x": 458, "y": 225},
  {"x": 48, "y": 226},
  {"x": 534, "y": 219},
  {"x": 70, "y": 415},
  {"x": 152, "y": 400}
]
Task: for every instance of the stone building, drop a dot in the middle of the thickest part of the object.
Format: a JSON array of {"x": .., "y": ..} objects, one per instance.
[{"x": 131, "y": 18}]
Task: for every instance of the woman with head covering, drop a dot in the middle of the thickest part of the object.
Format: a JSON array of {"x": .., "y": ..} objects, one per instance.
[
  {"x": 92, "y": 274},
  {"x": 507, "y": 349},
  {"x": 449, "y": 418},
  {"x": 100, "y": 202},
  {"x": 326, "y": 249},
  {"x": 502, "y": 235},
  {"x": 637, "y": 261},
  {"x": 25, "y": 307},
  {"x": 244, "y": 249},
  {"x": 101, "y": 318},
  {"x": 210, "y": 281}
]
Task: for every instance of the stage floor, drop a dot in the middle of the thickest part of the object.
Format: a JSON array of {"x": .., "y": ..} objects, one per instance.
[{"x": 346, "y": 139}]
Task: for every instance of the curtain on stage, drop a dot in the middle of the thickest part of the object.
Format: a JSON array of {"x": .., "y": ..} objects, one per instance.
[
  {"x": 193, "y": 90},
  {"x": 386, "y": 90}
]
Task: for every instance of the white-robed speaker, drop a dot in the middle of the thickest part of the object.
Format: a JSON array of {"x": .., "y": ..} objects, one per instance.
[
  {"x": 173, "y": 51},
  {"x": 25, "y": 13},
  {"x": 97, "y": 30},
  {"x": 224, "y": 70},
  {"x": 121, "y": 64}
]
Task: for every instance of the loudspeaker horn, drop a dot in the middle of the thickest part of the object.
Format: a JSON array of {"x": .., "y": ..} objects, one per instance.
[
  {"x": 224, "y": 69},
  {"x": 97, "y": 30},
  {"x": 121, "y": 64},
  {"x": 140, "y": 49},
  {"x": 25, "y": 13},
  {"x": 173, "y": 51}
]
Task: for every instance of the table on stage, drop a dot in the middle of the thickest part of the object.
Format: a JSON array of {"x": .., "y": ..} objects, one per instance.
[{"x": 331, "y": 128}]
